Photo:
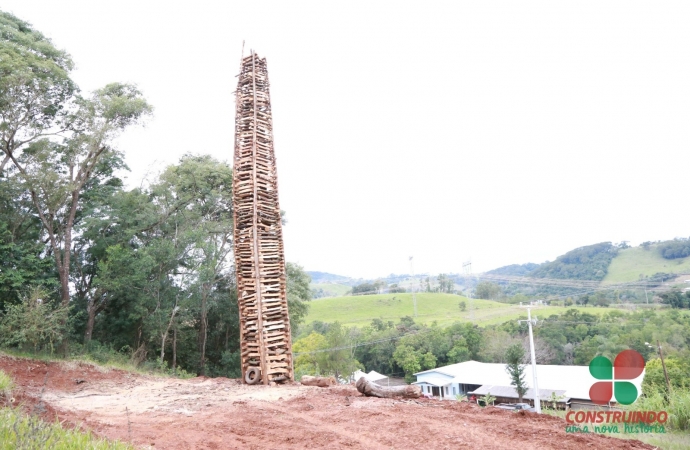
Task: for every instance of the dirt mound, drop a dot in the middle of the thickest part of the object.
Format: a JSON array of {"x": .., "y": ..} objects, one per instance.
[{"x": 221, "y": 413}]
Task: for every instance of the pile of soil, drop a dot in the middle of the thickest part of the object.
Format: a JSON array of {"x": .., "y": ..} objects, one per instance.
[{"x": 221, "y": 413}]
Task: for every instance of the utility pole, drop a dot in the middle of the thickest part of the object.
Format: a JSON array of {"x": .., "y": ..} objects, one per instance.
[
  {"x": 414, "y": 295},
  {"x": 535, "y": 385},
  {"x": 663, "y": 364},
  {"x": 467, "y": 269}
]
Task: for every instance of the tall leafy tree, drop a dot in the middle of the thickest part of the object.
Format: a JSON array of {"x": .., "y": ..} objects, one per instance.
[
  {"x": 58, "y": 174},
  {"x": 515, "y": 354},
  {"x": 204, "y": 186},
  {"x": 298, "y": 294},
  {"x": 35, "y": 87}
]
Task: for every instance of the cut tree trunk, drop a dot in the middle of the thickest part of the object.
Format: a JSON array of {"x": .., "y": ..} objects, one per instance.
[
  {"x": 370, "y": 389},
  {"x": 308, "y": 380},
  {"x": 90, "y": 321},
  {"x": 174, "y": 361}
]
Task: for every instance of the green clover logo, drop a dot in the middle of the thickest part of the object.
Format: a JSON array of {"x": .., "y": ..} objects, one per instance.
[{"x": 628, "y": 365}]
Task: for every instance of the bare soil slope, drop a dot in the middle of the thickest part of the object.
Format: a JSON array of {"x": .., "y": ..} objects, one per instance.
[{"x": 220, "y": 413}]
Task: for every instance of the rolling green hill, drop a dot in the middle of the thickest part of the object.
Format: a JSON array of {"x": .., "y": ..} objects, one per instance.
[
  {"x": 330, "y": 289},
  {"x": 632, "y": 262},
  {"x": 443, "y": 308}
]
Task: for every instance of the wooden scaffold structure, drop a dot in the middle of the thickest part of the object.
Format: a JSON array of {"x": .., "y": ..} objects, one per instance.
[{"x": 265, "y": 342}]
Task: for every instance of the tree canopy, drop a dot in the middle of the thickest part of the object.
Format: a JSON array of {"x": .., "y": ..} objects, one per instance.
[{"x": 146, "y": 272}]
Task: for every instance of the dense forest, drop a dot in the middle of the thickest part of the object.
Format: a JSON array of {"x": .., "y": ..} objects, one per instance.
[{"x": 87, "y": 265}]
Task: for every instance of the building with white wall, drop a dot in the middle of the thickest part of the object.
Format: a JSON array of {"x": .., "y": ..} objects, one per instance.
[{"x": 571, "y": 383}]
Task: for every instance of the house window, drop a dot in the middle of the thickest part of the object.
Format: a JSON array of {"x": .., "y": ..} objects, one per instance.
[{"x": 453, "y": 390}]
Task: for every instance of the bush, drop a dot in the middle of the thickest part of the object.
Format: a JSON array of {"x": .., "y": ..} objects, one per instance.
[
  {"x": 19, "y": 431},
  {"x": 6, "y": 387},
  {"x": 34, "y": 323},
  {"x": 677, "y": 405}
]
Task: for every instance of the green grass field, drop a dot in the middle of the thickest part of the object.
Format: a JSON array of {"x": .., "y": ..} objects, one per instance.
[
  {"x": 333, "y": 289},
  {"x": 630, "y": 263},
  {"x": 443, "y": 308}
]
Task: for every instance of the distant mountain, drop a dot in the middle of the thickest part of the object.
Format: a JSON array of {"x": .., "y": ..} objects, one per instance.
[
  {"x": 517, "y": 270},
  {"x": 325, "y": 277},
  {"x": 590, "y": 262}
]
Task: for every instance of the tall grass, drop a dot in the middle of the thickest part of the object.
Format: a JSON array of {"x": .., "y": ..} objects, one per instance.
[
  {"x": 20, "y": 431},
  {"x": 102, "y": 357},
  {"x": 6, "y": 387},
  {"x": 677, "y": 405}
]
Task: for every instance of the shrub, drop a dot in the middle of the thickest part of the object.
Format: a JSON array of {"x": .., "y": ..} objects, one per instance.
[
  {"x": 19, "y": 431},
  {"x": 6, "y": 387},
  {"x": 34, "y": 323},
  {"x": 677, "y": 405}
]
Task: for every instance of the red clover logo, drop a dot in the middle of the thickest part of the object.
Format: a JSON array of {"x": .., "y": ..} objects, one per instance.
[{"x": 628, "y": 365}]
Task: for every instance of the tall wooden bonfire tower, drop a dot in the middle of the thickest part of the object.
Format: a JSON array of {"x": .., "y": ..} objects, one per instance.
[{"x": 265, "y": 340}]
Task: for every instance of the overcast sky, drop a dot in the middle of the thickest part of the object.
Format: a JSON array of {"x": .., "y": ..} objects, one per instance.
[{"x": 505, "y": 132}]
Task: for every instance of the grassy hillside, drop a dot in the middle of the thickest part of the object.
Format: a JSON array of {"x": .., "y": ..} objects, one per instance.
[
  {"x": 360, "y": 310},
  {"x": 331, "y": 289},
  {"x": 630, "y": 263}
]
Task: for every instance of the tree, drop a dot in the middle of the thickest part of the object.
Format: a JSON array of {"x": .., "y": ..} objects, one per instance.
[
  {"x": 462, "y": 305},
  {"x": 496, "y": 343},
  {"x": 307, "y": 354},
  {"x": 544, "y": 352},
  {"x": 445, "y": 284},
  {"x": 365, "y": 288},
  {"x": 676, "y": 299},
  {"x": 199, "y": 191},
  {"x": 22, "y": 263},
  {"x": 298, "y": 295},
  {"x": 396, "y": 289},
  {"x": 655, "y": 380},
  {"x": 339, "y": 359},
  {"x": 57, "y": 174},
  {"x": 35, "y": 87},
  {"x": 515, "y": 354},
  {"x": 407, "y": 359},
  {"x": 488, "y": 290},
  {"x": 34, "y": 322},
  {"x": 459, "y": 353}
]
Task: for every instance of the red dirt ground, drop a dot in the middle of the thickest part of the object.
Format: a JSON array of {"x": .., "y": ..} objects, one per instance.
[{"x": 220, "y": 413}]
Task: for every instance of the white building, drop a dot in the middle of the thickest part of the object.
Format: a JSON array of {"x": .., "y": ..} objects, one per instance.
[
  {"x": 473, "y": 377},
  {"x": 372, "y": 376}
]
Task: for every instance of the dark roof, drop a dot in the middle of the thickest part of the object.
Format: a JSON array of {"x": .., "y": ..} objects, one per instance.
[{"x": 510, "y": 392}]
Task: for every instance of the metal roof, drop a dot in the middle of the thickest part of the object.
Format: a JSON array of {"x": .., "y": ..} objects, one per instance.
[
  {"x": 371, "y": 376},
  {"x": 435, "y": 381},
  {"x": 509, "y": 391}
]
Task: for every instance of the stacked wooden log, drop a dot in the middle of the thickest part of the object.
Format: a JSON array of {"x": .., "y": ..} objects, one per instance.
[{"x": 265, "y": 343}]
